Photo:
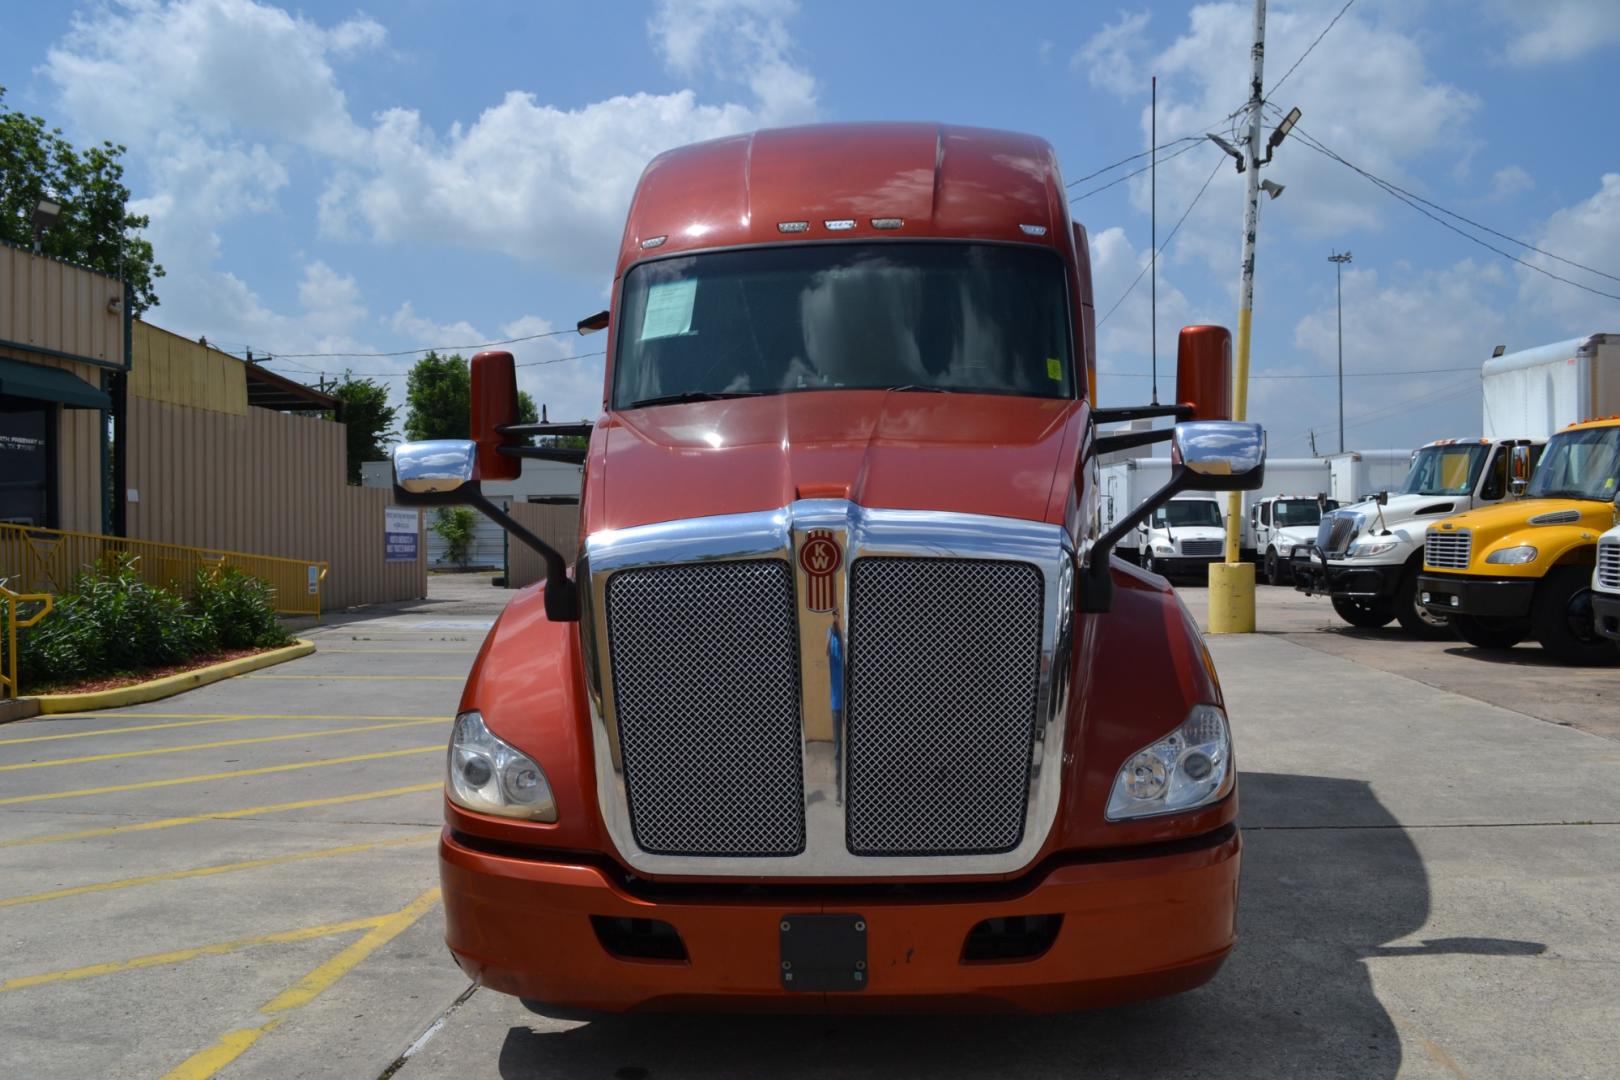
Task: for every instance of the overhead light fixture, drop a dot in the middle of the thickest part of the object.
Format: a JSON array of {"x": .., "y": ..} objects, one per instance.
[
  {"x": 1498, "y": 351},
  {"x": 46, "y": 212},
  {"x": 1281, "y": 132},
  {"x": 1271, "y": 188},
  {"x": 1236, "y": 154}
]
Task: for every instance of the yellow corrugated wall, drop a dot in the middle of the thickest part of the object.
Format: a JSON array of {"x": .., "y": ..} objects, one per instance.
[{"x": 168, "y": 367}]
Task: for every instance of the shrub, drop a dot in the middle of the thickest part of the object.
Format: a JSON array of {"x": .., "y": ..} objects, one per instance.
[
  {"x": 113, "y": 622},
  {"x": 239, "y": 607},
  {"x": 454, "y": 524}
]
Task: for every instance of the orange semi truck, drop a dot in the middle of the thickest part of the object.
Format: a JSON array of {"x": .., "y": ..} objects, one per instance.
[{"x": 846, "y": 702}]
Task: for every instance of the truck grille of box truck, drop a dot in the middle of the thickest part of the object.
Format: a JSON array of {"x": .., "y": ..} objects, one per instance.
[
  {"x": 706, "y": 679},
  {"x": 1202, "y": 547},
  {"x": 1447, "y": 550},
  {"x": 1334, "y": 534},
  {"x": 1608, "y": 564},
  {"x": 944, "y": 663}
]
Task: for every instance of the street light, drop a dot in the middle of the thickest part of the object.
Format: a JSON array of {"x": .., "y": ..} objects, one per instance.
[
  {"x": 46, "y": 211},
  {"x": 1339, "y": 258}
]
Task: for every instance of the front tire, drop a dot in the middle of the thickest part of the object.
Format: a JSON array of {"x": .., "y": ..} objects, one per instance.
[
  {"x": 1365, "y": 614},
  {"x": 1561, "y": 618},
  {"x": 1276, "y": 573},
  {"x": 1490, "y": 632},
  {"x": 1416, "y": 619}
]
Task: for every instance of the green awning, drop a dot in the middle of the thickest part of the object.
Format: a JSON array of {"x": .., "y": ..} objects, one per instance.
[{"x": 49, "y": 384}]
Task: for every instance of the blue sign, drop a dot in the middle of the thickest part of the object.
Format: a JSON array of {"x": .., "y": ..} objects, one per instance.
[{"x": 401, "y": 528}]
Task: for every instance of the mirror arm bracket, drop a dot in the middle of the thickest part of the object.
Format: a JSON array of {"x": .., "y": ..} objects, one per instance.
[
  {"x": 545, "y": 453},
  {"x": 1126, "y": 440},
  {"x": 562, "y": 594},
  {"x": 1140, "y": 412},
  {"x": 1097, "y": 593}
]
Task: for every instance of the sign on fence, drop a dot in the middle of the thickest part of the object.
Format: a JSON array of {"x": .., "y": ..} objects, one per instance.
[{"x": 401, "y": 527}]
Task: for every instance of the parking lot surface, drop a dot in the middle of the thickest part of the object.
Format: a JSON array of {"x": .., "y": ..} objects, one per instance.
[{"x": 241, "y": 882}]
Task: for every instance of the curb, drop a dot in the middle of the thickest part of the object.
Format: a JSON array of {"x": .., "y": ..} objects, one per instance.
[{"x": 169, "y": 685}]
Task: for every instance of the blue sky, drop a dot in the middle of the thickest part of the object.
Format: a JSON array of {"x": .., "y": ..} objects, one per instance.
[{"x": 329, "y": 179}]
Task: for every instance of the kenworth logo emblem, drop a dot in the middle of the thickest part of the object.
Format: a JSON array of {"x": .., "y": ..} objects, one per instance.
[{"x": 819, "y": 558}]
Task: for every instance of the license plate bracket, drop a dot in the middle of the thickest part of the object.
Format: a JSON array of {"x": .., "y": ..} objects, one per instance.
[{"x": 822, "y": 952}]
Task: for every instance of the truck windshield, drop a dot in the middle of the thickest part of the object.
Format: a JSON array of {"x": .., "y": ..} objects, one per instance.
[
  {"x": 974, "y": 318},
  {"x": 1179, "y": 512},
  {"x": 1582, "y": 464},
  {"x": 1445, "y": 470},
  {"x": 1291, "y": 512}
]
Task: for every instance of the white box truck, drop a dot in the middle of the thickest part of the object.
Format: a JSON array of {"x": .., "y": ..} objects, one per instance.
[
  {"x": 1358, "y": 475},
  {"x": 1182, "y": 536},
  {"x": 1366, "y": 556}
]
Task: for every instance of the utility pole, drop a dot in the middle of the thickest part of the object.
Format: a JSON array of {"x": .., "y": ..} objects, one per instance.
[{"x": 1339, "y": 259}]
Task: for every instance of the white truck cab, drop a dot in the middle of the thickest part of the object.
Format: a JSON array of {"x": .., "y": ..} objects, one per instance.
[
  {"x": 1185, "y": 534},
  {"x": 1606, "y": 583},
  {"x": 1367, "y": 556},
  {"x": 1283, "y": 524}
]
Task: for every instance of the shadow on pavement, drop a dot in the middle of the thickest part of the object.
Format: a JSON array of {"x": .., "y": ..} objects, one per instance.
[
  {"x": 1528, "y": 654},
  {"x": 1329, "y": 880}
]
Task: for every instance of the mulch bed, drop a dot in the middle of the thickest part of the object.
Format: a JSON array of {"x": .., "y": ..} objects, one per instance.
[{"x": 115, "y": 682}]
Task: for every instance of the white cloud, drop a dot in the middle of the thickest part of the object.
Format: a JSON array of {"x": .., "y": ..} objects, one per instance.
[
  {"x": 1586, "y": 233},
  {"x": 1367, "y": 92},
  {"x": 746, "y": 37},
  {"x": 1551, "y": 31},
  {"x": 1508, "y": 182},
  {"x": 1112, "y": 58}
]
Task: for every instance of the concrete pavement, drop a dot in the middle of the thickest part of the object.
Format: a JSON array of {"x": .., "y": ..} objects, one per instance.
[{"x": 1428, "y": 888}]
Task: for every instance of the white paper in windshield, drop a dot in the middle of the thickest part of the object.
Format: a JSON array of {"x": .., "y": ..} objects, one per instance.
[{"x": 669, "y": 309}]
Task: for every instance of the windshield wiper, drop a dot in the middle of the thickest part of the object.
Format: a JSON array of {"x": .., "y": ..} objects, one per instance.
[
  {"x": 918, "y": 388},
  {"x": 694, "y": 395}
]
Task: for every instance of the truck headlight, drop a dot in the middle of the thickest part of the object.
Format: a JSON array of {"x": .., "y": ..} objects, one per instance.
[
  {"x": 493, "y": 777},
  {"x": 1188, "y": 768},
  {"x": 1164, "y": 549},
  {"x": 1378, "y": 547},
  {"x": 1513, "y": 556}
]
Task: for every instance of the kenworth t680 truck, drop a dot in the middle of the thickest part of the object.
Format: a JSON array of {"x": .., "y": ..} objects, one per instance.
[{"x": 846, "y": 702}]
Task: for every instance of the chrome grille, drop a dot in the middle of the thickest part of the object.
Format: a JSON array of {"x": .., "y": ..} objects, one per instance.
[
  {"x": 1447, "y": 550},
  {"x": 706, "y": 679},
  {"x": 1334, "y": 534},
  {"x": 944, "y": 662},
  {"x": 1608, "y": 564},
  {"x": 1201, "y": 547}
]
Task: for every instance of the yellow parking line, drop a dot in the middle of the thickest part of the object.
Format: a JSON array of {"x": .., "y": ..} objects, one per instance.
[
  {"x": 202, "y": 718},
  {"x": 375, "y": 652},
  {"x": 365, "y": 678},
  {"x": 232, "y": 1045},
  {"x": 88, "y": 758},
  {"x": 210, "y": 871},
  {"x": 264, "y": 770},
  {"x": 178, "y": 956},
  {"x": 221, "y": 815}
]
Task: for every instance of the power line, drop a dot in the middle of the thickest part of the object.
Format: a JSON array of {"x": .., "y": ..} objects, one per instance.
[
  {"x": 1413, "y": 201},
  {"x": 1133, "y": 157},
  {"x": 1166, "y": 243},
  {"x": 426, "y": 348},
  {"x": 404, "y": 374},
  {"x": 1136, "y": 172},
  {"x": 1278, "y": 84}
]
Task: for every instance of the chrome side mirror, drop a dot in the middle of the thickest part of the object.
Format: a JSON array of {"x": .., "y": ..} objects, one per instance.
[
  {"x": 435, "y": 469},
  {"x": 444, "y": 472},
  {"x": 1205, "y": 455},
  {"x": 1219, "y": 455}
]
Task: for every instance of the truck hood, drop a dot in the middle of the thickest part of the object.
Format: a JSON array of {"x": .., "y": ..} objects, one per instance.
[
  {"x": 1524, "y": 517},
  {"x": 1296, "y": 534},
  {"x": 1403, "y": 508},
  {"x": 972, "y": 453},
  {"x": 1189, "y": 532}
]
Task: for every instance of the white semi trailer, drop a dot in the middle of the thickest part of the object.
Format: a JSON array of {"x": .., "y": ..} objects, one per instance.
[{"x": 1366, "y": 556}]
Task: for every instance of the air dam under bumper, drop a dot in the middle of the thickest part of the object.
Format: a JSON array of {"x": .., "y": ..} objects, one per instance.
[
  {"x": 1133, "y": 927},
  {"x": 1606, "y": 614},
  {"x": 1457, "y": 594}
]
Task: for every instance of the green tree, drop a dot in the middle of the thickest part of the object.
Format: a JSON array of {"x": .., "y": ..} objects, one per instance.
[
  {"x": 95, "y": 228},
  {"x": 369, "y": 419},
  {"x": 437, "y": 395}
]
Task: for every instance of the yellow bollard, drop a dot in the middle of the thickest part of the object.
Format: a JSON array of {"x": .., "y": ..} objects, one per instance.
[{"x": 1231, "y": 598}]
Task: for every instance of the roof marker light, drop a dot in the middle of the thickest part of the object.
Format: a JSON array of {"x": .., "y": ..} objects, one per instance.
[
  {"x": 792, "y": 226},
  {"x": 839, "y": 224},
  {"x": 887, "y": 222},
  {"x": 654, "y": 241},
  {"x": 1033, "y": 230}
]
